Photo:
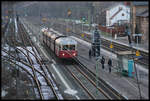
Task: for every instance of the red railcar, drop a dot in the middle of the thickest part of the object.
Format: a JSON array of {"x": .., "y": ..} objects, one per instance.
[{"x": 62, "y": 46}]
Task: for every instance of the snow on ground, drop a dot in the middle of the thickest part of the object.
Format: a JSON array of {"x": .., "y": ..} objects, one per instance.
[
  {"x": 16, "y": 27},
  {"x": 46, "y": 90}
]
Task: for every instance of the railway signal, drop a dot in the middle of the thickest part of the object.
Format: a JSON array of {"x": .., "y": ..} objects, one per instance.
[{"x": 96, "y": 43}]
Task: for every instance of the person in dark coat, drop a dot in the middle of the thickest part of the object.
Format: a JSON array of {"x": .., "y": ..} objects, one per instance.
[
  {"x": 109, "y": 65},
  {"x": 90, "y": 53},
  {"x": 103, "y": 62}
]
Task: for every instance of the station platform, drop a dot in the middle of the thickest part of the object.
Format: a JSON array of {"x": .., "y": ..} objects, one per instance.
[
  {"x": 124, "y": 40},
  {"x": 126, "y": 86}
]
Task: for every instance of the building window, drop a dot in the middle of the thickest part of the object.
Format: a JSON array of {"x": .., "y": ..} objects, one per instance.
[{"x": 122, "y": 14}]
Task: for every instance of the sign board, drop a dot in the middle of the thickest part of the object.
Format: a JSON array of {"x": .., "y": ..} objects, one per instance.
[
  {"x": 125, "y": 52},
  {"x": 82, "y": 34},
  {"x": 137, "y": 53},
  {"x": 111, "y": 45},
  {"x": 137, "y": 34}
]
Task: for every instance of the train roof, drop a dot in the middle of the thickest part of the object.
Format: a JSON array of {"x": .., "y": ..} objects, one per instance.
[
  {"x": 44, "y": 29},
  {"x": 66, "y": 41},
  {"x": 54, "y": 31}
]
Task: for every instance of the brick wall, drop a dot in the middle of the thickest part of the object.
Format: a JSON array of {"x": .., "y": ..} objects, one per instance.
[
  {"x": 118, "y": 30},
  {"x": 143, "y": 25},
  {"x": 145, "y": 28}
]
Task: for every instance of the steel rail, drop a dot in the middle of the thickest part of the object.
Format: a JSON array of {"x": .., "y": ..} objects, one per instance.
[
  {"x": 39, "y": 61},
  {"x": 23, "y": 62},
  {"x": 86, "y": 89},
  {"x": 101, "y": 90},
  {"x": 45, "y": 76},
  {"x": 108, "y": 96},
  {"x": 38, "y": 85}
]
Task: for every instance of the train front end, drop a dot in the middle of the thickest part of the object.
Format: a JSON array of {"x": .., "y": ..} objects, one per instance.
[{"x": 68, "y": 48}]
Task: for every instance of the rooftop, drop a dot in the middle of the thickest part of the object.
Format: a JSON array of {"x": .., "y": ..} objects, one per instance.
[
  {"x": 145, "y": 13},
  {"x": 144, "y": 3}
]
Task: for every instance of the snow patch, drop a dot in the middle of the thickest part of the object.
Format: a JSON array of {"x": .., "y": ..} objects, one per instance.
[{"x": 70, "y": 91}]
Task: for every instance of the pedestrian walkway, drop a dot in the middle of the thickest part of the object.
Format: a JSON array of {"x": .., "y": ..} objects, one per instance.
[{"x": 127, "y": 86}]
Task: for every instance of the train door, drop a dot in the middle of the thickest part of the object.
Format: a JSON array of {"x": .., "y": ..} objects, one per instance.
[{"x": 59, "y": 49}]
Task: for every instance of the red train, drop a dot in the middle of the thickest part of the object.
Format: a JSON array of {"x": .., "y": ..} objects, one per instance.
[{"x": 63, "y": 46}]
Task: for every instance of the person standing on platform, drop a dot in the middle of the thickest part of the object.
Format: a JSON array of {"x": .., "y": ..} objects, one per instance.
[
  {"x": 103, "y": 62},
  {"x": 109, "y": 65}
]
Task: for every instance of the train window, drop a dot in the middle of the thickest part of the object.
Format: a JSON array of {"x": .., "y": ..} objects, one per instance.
[
  {"x": 72, "y": 47},
  {"x": 65, "y": 47},
  {"x": 69, "y": 47},
  {"x": 59, "y": 47}
]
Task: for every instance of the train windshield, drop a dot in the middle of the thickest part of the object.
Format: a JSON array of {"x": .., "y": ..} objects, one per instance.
[{"x": 69, "y": 47}]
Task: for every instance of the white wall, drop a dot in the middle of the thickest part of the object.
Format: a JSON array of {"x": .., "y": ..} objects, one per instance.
[{"x": 119, "y": 16}]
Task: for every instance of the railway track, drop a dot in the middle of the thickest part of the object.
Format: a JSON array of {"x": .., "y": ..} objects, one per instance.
[
  {"x": 77, "y": 70},
  {"x": 22, "y": 36},
  {"x": 43, "y": 68},
  {"x": 38, "y": 72},
  {"x": 103, "y": 87},
  {"x": 90, "y": 85}
]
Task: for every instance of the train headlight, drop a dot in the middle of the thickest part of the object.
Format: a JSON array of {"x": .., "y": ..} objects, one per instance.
[
  {"x": 63, "y": 54},
  {"x": 74, "y": 54}
]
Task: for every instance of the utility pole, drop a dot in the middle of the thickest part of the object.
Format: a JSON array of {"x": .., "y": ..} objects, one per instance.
[
  {"x": 96, "y": 49},
  {"x": 130, "y": 43}
]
